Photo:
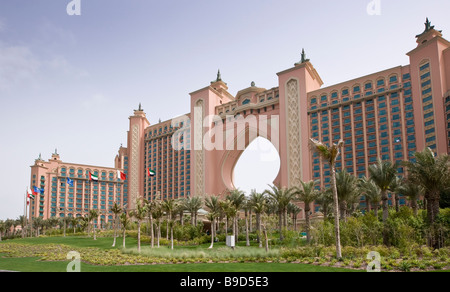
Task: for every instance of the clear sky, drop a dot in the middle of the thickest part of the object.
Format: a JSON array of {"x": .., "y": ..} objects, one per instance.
[{"x": 71, "y": 82}]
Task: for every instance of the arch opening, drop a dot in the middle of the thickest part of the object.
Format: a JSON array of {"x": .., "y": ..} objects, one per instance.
[{"x": 258, "y": 166}]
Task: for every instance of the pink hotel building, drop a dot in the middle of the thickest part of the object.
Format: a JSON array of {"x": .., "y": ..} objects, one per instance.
[{"x": 389, "y": 114}]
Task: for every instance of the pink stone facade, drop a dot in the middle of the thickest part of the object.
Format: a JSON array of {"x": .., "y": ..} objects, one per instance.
[{"x": 389, "y": 114}]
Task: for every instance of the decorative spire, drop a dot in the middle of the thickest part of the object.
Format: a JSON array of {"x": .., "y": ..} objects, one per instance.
[
  {"x": 253, "y": 84},
  {"x": 56, "y": 151},
  {"x": 140, "y": 107},
  {"x": 304, "y": 59},
  {"x": 219, "y": 77},
  {"x": 428, "y": 27}
]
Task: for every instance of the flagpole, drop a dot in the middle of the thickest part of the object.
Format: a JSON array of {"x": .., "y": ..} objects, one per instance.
[{"x": 25, "y": 214}]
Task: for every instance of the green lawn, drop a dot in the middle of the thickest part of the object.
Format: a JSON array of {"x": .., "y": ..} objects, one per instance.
[{"x": 33, "y": 264}]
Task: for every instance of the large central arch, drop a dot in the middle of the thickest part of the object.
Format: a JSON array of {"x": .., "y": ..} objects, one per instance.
[
  {"x": 283, "y": 109},
  {"x": 249, "y": 134}
]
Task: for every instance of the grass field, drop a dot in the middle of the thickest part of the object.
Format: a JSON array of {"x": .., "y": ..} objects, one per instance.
[{"x": 35, "y": 264}]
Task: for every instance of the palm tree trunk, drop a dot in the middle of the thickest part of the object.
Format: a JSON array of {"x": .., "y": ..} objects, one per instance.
[
  {"x": 167, "y": 229},
  {"x": 250, "y": 221},
  {"x": 226, "y": 226},
  {"x": 336, "y": 212},
  {"x": 159, "y": 231},
  {"x": 258, "y": 226},
  {"x": 308, "y": 224},
  {"x": 384, "y": 200},
  {"x": 266, "y": 239},
  {"x": 171, "y": 236},
  {"x": 152, "y": 231},
  {"x": 280, "y": 224},
  {"x": 246, "y": 230},
  {"x": 95, "y": 235},
  {"x": 139, "y": 235},
  {"x": 397, "y": 203},
  {"x": 213, "y": 227},
  {"x": 236, "y": 228},
  {"x": 414, "y": 207},
  {"x": 115, "y": 231},
  {"x": 375, "y": 210},
  {"x": 124, "y": 235}
]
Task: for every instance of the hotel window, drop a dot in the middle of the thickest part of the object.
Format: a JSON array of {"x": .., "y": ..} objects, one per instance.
[
  {"x": 345, "y": 92},
  {"x": 356, "y": 89},
  {"x": 427, "y": 65},
  {"x": 380, "y": 82},
  {"x": 393, "y": 79}
]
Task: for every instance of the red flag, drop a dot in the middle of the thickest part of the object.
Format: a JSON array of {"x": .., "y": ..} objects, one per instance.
[{"x": 121, "y": 175}]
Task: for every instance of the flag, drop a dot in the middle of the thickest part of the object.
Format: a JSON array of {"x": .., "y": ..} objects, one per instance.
[
  {"x": 30, "y": 194},
  {"x": 38, "y": 190},
  {"x": 121, "y": 175},
  {"x": 93, "y": 177},
  {"x": 151, "y": 172},
  {"x": 70, "y": 182}
]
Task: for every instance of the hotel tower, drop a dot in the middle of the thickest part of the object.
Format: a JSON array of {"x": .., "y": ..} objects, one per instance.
[{"x": 389, "y": 115}]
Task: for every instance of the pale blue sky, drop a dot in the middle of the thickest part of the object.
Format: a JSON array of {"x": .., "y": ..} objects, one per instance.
[{"x": 70, "y": 82}]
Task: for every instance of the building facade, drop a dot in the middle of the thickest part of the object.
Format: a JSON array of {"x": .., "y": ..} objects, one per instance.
[{"x": 389, "y": 115}]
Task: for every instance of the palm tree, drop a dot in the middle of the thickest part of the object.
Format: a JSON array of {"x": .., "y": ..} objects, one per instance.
[
  {"x": 237, "y": 199},
  {"x": 125, "y": 221},
  {"x": 330, "y": 155},
  {"x": 74, "y": 222},
  {"x": 369, "y": 188},
  {"x": 281, "y": 197},
  {"x": 139, "y": 213},
  {"x": 84, "y": 223},
  {"x": 192, "y": 205},
  {"x": 181, "y": 207},
  {"x": 93, "y": 215},
  {"x": 116, "y": 209},
  {"x": 225, "y": 206},
  {"x": 346, "y": 189},
  {"x": 294, "y": 210},
  {"x": 246, "y": 206},
  {"x": 383, "y": 173},
  {"x": 230, "y": 212},
  {"x": 258, "y": 202},
  {"x": 307, "y": 194},
  {"x": 432, "y": 173},
  {"x": 213, "y": 204},
  {"x": 169, "y": 206},
  {"x": 157, "y": 214},
  {"x": 150, "y": 205},
  {"x": 412, "y": 191},
  {"x": 325, "y": 200}
]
